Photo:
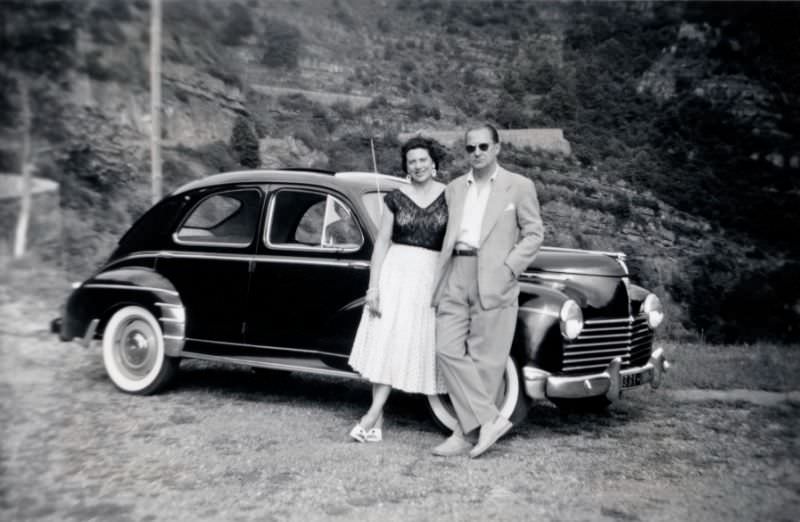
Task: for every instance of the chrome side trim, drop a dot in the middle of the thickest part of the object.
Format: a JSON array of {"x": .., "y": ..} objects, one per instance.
[
  {"x": 220, "y": 244},
  {"x": 580, "y": 251},
  {"x": 169, "y": 254},
  {"x": 306, "y": 261},
  {"x": 137, "y": 255},
  {"x": 173, "y": 254},
  {"x": 268, "y": 364},
  {"x": 539, "y": 311},
  {"x": 128, "y": 287},
  {"x": 171, "y": 320},
  {"x": 267, "y": 347},
  {"x": 546, "y": 277}
]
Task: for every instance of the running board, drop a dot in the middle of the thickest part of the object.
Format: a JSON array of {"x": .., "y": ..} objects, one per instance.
[{"x": 307, "y": 365}]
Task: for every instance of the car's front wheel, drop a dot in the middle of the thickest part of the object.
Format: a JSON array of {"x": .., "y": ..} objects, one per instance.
[
  {"x": 133, "y": 352},
  {"x": 512, "y": 402}
]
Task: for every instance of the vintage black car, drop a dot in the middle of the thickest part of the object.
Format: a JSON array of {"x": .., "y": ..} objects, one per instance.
[{"x": 269, "y": 269}]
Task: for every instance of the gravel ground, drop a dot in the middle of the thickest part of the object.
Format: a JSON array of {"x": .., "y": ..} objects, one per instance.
[{"x": 225, "y": 443}]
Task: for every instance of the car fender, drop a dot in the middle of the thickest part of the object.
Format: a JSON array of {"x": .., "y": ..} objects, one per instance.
[
  {"x": 108, "y": 291},
  {"x": 537, "y": 340}
]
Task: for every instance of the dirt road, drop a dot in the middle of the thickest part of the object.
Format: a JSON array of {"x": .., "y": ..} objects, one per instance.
[{"x": 227, "y": 444}]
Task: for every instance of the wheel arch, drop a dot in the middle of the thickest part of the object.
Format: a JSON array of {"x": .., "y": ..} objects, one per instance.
[{"x": 137, "y": 286}]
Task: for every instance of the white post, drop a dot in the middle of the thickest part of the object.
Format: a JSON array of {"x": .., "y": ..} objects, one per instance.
[
  {"x": 26, "y": 173},
  {"x": 155, "y": 99}
]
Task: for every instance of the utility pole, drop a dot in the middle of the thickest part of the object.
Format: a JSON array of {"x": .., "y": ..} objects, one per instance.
[{"x": 155, "y": 99}]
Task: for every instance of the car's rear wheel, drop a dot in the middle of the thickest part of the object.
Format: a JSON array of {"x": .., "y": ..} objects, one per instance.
[
  {"x": 512, "y": 401},
  {"x": 133, "y": 352}
]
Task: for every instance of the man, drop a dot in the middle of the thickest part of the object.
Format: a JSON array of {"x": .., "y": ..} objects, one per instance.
[{"x": 493, "y": 233}]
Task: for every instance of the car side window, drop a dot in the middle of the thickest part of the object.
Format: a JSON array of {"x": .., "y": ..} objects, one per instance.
[
  {"x": 227, "y": 218},
  {"x": 312, "y": 220}
]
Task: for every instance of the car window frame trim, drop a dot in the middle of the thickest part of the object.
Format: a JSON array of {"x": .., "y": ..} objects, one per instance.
[
  {"x": 239, "y": 246},
  {"x": 265, "y": 241}
]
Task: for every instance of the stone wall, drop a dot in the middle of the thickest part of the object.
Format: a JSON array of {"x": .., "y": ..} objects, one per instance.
[{"x": 551, "y": 140}]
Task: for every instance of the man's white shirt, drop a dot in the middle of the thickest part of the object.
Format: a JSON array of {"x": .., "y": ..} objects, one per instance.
[{"x": 475, "y": 202}]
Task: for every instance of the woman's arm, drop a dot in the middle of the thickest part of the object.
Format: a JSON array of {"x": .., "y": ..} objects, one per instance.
[{"x": 382, "y": 243}]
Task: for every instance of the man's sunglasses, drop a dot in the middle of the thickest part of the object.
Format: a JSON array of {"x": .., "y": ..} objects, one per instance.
[{"x": 483, "y": 146}]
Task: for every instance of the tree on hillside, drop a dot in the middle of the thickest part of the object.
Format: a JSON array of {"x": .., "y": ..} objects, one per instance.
[
  {"x": 238, "y": 26},
  {"x": 245, "y": 144},
  {"x": 36, "y": 47},
  {"x": 281, "y": 44}
]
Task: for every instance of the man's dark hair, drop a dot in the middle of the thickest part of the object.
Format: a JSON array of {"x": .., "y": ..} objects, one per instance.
[
  {"x": 418, "y": 142},
  {"x": 488, "y": 126}
]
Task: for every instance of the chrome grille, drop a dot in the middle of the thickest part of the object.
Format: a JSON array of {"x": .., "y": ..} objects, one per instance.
[{"x": 602, "y": 340}]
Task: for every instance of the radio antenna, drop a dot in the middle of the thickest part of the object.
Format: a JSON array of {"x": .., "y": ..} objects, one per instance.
[{"x": 377, "y": 181}]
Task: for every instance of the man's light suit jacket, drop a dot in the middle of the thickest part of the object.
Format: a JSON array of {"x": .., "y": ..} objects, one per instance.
[{"x": 511, "y": 233}]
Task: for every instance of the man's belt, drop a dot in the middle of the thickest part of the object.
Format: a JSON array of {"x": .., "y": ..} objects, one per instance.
[{"x": 465, "y": 251}]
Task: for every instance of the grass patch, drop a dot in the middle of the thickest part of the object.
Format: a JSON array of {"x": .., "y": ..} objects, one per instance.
[{"x": 760, "y": 366}]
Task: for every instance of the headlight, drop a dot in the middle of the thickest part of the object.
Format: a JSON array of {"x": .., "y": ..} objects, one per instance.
[
  {"x": 655, "y": 312},
  {"x": 571, "y": 319}
]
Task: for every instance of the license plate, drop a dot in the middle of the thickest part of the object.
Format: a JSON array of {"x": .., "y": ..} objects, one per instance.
[{"x": 632, "y": 380}]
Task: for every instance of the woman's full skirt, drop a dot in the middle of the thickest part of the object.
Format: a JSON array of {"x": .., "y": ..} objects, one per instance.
[{"x": 399, "y": 347}]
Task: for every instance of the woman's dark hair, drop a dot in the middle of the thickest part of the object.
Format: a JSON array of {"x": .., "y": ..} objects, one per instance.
[{"x": 418, "y": 142}]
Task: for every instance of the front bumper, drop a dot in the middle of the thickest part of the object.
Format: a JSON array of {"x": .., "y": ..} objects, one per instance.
[{"x": 540, "y": 384}]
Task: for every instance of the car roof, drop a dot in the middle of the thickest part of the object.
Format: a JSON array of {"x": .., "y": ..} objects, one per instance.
[{"x": 360, "y": 181}]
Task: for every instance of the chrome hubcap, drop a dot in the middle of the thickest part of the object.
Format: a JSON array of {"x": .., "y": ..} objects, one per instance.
[{"x": 136, "y": 348}]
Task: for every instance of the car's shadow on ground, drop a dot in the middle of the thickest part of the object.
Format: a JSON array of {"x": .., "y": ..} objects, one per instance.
[{"x": 349, "y": 399}]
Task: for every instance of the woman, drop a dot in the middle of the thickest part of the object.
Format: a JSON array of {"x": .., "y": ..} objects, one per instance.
[{"x": 395, "y": 346}]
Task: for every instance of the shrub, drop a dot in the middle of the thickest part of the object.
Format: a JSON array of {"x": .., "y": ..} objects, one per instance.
[
  {"x": 281, "y": 43},
  {"x": 215, "y": 155},
  {"x": 245, "y": 144},
  {"x": 238, "y": 26}
]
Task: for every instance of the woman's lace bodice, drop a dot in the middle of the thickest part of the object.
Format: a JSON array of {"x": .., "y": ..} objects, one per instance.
[{"x": 417, "y": 226}]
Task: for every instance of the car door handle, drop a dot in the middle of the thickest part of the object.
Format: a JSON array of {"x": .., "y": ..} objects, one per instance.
[{"x": 358, "y": 264}]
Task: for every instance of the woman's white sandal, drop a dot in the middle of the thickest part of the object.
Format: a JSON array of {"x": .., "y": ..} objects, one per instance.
[
  {"x": 359, "y": 433},
  {"x": 374, "y": 435}
]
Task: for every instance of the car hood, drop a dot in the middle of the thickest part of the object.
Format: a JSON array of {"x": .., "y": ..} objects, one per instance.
[
  {"x": 577, "y": 263},
  {"x": 596, "y": 281}
]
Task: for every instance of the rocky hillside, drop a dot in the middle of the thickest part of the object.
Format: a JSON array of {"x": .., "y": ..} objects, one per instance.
[{"x": 682, "y": 119}]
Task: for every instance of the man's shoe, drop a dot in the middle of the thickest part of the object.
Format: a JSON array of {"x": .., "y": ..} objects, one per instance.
[
  {"x": 489, "y": 435},
  {"x": 452, "y": 446}
]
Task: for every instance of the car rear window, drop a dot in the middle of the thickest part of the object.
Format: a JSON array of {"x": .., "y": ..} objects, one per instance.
[{"x": 228, "y": 218}]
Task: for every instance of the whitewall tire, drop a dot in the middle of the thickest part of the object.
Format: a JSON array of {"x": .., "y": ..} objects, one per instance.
[
  {"x": 133, "y": 352},
  {"x": 513, "y": 404}
]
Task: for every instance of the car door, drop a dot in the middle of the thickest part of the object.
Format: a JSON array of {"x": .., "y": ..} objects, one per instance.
[
  {"x": 209, "y": 262},
  {"x": 310, "y": 276}
]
